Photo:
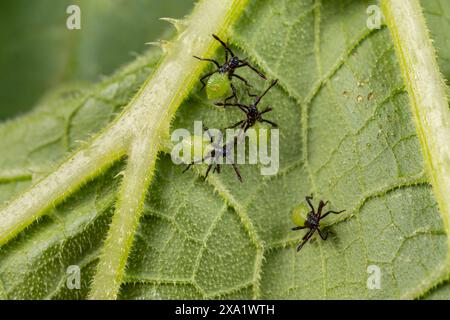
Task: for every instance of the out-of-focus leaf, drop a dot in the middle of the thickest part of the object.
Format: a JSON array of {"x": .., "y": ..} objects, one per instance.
[{"x": 39, "y": 52}]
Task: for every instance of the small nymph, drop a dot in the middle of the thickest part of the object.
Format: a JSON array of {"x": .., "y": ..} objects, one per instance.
[
  {"x": 220, "y": 80},
  {"x": 216, "y": 154},
  {"x": 305, "y": 218},
  {"x": 251, "y": 111}
]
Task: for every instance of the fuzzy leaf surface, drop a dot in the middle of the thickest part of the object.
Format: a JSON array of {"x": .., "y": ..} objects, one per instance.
[{"x": 346, "y": 135}]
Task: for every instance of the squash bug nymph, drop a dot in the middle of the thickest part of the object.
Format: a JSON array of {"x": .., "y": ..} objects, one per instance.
[
  {"x": 215, "y": 153},
  {"x": 219, "y": 84},
  {"x": 304, "y": 218},
  {"x": 251, "y": 111}
]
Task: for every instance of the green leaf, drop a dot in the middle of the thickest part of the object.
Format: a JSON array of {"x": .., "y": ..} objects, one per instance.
[
  {"x": 437, "y": 14},
  {"x": 67, "y": 234},
  {"x": 351, "y": 132}
]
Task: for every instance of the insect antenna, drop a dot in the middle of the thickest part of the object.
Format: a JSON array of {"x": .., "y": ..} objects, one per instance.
[
  {"x": 265, "y": 92},
  {"x": 245, "y": 63},
  {"x": 223, "y": 44}
]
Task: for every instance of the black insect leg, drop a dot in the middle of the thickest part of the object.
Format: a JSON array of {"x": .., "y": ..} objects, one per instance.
[
  {"x": 246, "y": 64},
  {"x": 305, "y": 239},
  {"x": 210, "y": 155},
  {"x": 234, "y": 95},
  {"x": 236, "y": 169},
  {"x": 299, "y": 228},
  {"x": 322, "y": 205},
  {"x": 266, "y": 110},
  {"x": 243, "y": 107},
  {"x": 246, "y": 126},
  {"x": 206, "y": 76},
  {"x": 253, "y": 95},
  {"x": 236, "y": 124},
  {"x": 320, "y": 208},
  {"x": 334, "y": 212},
  {"x": 273, "y": 124},
  {"x": 226, "y": 47},
  {"x": 248, "y": 85},
  {"x": 209, "y": 60},
  {"x": 226, "y": 53},
  {"x": 195, "y": 162},
  {"x": 206, "y": 129},
  {"x": 265, "y": 92},
  {"x": 243, "y": 80},
  {"x": 187, "y": 168},
  {"x": 191, "y": 164},
  {"x": 308, "y": 200},
  {"x": 323, "y": 235},
  {"x": 207, "y": 170}
]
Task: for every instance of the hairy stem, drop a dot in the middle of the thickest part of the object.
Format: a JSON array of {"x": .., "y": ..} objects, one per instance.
[
  {"x": 154, "y": 109},
  {"x": 427, "y": 94},
  {"x": 83, "y": 165}
]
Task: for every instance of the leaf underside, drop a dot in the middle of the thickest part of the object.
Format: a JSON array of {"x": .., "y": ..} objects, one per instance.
[
  {"x": 346, "y": 135},
  {"x": 36, "y": 62}
]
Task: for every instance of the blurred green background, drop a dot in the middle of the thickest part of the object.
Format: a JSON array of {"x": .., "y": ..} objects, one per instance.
[{"x": 38, "y": 52}]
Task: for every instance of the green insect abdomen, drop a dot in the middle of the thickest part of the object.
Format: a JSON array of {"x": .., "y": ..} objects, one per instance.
[
  {"x": 300, "y": 215},
  {"x": 218, "y": 86}
]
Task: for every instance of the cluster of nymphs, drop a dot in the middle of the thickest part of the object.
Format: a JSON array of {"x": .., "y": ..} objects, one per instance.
[{"x": 217, "y": 86}]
